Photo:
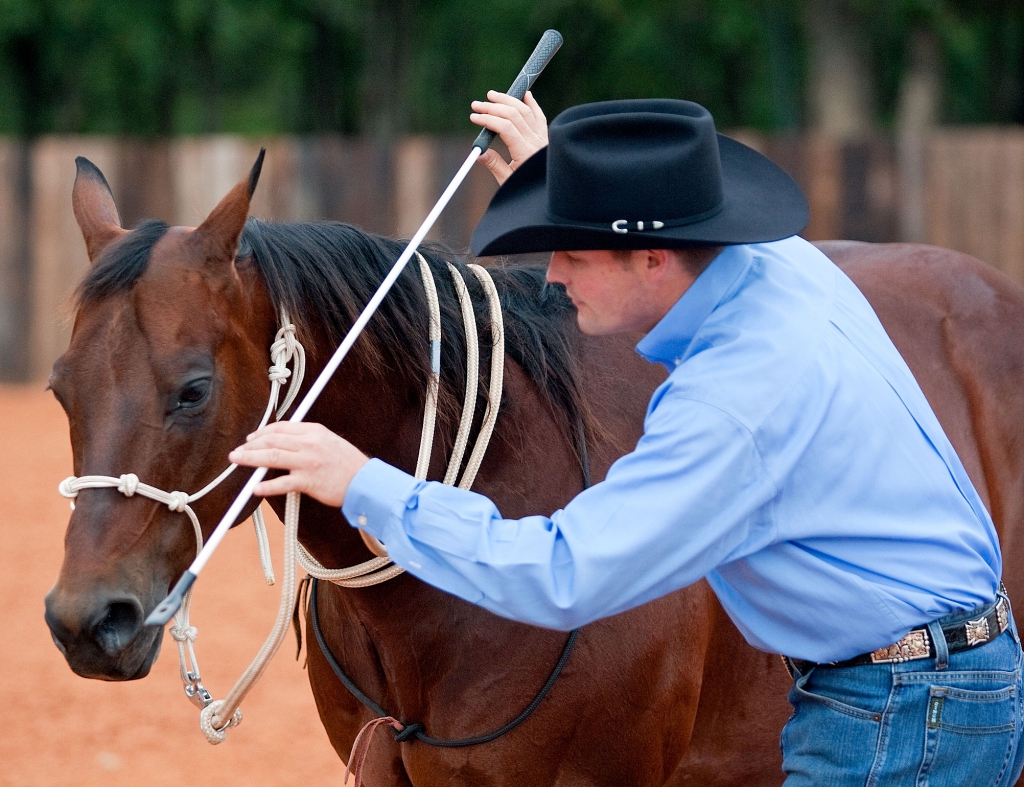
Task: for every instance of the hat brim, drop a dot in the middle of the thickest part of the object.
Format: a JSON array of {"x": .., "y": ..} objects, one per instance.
[{"x": 762, "y": 203}]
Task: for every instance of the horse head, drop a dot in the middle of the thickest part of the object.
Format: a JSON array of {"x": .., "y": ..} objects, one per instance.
[{"x": 170, "y": 333}]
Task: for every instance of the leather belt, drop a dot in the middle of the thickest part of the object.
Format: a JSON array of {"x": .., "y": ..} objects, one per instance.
[{"x": 981, "y": 627}]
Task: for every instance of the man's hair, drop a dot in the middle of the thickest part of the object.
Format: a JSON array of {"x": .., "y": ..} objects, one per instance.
[{"x": 695, "y": 258}]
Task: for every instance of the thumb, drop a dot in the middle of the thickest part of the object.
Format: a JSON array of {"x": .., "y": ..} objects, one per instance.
[{"x": 496, "y": 164}]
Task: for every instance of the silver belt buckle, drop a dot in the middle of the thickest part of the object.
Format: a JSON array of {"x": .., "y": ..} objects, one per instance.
[
  {"x": 977, "y": 632},
  {"x": 915, "y": 645}
]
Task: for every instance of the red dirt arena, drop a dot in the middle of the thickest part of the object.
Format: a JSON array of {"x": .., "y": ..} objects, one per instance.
[{"x": 59, "y": 729}]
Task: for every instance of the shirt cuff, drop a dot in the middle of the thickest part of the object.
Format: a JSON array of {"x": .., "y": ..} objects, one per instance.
[{"x": 378, "y": 491}]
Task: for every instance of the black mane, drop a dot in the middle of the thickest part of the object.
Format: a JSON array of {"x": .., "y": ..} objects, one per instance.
[{"x": 322, "y": 274}]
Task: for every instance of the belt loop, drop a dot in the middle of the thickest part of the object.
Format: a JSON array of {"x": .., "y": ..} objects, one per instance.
[
  {"x": 941, "y": 646},
  {"x": 1001, "y": 593}
]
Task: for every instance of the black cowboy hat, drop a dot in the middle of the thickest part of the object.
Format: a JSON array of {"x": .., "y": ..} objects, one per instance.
[{"x": 639, "y": 174}]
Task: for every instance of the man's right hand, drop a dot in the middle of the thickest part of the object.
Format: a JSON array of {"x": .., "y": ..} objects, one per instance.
[{"x": 520, "y": 124}]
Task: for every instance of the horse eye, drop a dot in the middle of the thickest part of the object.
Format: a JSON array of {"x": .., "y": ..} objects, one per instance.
[{"x": 194, "y": 393}]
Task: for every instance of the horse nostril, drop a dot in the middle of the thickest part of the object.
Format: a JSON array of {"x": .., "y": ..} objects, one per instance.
[
  {"x": 58, "y": 643},
  {"x": 118, "y": 627}
]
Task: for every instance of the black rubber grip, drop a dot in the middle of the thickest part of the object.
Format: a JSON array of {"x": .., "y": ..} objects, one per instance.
[{"x": 545, "y": 50}]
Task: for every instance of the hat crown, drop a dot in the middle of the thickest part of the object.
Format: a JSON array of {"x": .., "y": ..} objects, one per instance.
[{"x": 645, "y": 159}]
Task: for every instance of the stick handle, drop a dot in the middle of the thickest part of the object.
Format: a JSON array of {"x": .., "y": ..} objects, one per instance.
[{"x": 545, "y": 50}]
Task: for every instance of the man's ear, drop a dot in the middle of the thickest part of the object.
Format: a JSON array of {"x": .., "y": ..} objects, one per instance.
[
  {"x": 94, "y": 208},
  {"x": 217, "y": 237},
  {"x": 656, "y": 262}
]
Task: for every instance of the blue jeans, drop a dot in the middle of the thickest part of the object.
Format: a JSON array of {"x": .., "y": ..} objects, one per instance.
[{"x": 909, "y": 723}]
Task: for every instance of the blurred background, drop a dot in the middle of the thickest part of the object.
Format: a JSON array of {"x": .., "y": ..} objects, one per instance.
[{"x": 900, "y": 119}]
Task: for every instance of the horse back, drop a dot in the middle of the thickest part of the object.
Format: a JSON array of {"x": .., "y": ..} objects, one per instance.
[{"x": 959, "y": 325}]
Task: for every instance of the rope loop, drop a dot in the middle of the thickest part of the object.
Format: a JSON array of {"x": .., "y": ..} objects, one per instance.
[
  {"x": 178, "y": 501},
  {"x": 67, "y": 488},
  {"x": 213, "y": 734},
  {"x": 127, "y": 484}
]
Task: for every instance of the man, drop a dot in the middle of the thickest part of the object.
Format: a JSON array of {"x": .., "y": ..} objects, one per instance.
[{"x": 790, "y": 458}]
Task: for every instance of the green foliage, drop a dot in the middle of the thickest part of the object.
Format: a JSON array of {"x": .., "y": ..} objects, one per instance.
[{"x": 150, "y": 67}]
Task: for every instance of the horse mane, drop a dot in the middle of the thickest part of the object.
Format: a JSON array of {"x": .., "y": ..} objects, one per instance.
[{"x": 323, "y": 273}]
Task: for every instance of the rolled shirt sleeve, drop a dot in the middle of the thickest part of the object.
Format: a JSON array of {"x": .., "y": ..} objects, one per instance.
[{"x": 691, "y": 496}]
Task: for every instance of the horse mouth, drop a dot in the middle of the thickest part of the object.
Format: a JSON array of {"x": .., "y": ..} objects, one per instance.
[{"x": 133, "y": 663}]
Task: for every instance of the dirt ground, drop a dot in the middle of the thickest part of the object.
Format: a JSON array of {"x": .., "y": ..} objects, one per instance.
[{"x": 58, "y": 729}]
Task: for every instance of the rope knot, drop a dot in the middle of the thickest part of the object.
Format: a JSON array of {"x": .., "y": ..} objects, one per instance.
[
  {"x": 178, "y": 501},
  {"x": 283, "y": 348},
  {"x": 279, "y": 373},
  {"x": 67, "y": 487},
  {"x": 183, "y": 633},
  {"x": 128, "y": 484},
  {"x": 408, "y": 732}
]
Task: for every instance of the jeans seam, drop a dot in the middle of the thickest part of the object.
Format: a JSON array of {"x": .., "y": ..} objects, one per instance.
[
  {"x": 884, "y": 727},
  {"x": 840, "y": 707}
]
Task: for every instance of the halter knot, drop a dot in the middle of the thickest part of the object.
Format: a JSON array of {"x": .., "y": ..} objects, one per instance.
[
  {"x": 128, "y": 484},
  {"x": 283, "y": 348},
  {"x": 183, "y": 633},
  {"x": 67, "y": 488},
  {"x": 408, "y": 732},
  {"x": 178, "y": 501},
  {"x": 278, "y": 373}
]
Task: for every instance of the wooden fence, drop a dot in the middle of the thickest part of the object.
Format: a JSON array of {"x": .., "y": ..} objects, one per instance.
[{"x": 955, "y": 187}]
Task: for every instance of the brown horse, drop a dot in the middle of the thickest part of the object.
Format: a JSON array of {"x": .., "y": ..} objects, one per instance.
[{"x": 166, "y": 372}]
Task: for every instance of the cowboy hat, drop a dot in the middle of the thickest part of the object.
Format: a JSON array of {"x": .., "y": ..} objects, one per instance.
[{"x": 639, "y": 174}]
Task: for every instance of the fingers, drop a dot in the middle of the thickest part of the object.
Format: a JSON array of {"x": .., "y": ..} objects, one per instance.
[
  {"x": 287, "y": 427},
  {"x": 269, "y": 457},
  {"x": 319, "y": 463},
  {"x": 537, "y": 119},
  {"x": 520, "y": 124},
  {"x": 281, "y": 485}
]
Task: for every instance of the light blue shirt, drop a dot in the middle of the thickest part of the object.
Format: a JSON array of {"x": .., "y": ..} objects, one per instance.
[{"x": 790, "y": 458}]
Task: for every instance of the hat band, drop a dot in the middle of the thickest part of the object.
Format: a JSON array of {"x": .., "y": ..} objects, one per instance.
[{"x": 624, "y": 226}]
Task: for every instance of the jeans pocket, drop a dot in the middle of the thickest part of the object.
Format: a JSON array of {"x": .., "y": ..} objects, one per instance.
[
  {"x": 839, "y": 689},
  {"x": 970, "y": 733}
]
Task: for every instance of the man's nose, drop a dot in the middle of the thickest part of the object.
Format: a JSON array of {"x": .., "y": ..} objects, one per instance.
[{"x": 556, "y": 269}]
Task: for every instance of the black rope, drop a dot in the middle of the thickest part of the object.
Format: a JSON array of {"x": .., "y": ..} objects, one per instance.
[{"x": 415, "y": 729}]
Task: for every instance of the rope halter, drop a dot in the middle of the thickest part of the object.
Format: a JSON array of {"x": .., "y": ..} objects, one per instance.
[{"x": 218, "y": 715}]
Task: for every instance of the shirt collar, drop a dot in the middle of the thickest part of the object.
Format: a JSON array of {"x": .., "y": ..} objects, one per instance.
[{"x": 668, "y": 341}]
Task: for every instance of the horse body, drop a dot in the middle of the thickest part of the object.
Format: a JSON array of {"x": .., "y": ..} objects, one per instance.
[{"x": 665, "y": 694}]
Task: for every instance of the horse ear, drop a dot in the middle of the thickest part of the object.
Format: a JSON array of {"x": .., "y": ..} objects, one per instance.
[
  {"x": 94, "y": 208},
  {"x": 218, "y": 235}
]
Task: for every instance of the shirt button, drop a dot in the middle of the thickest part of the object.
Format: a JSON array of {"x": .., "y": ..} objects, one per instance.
[{"x": 362, "y": 520}]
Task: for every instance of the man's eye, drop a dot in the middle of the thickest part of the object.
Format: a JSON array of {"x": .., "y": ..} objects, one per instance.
[{"x": 194, "y": 394}]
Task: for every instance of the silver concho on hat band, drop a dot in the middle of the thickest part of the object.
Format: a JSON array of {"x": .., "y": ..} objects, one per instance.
[{"x": 621, "y": 227}]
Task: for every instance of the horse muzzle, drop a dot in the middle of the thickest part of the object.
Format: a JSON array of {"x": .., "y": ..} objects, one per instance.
[{"x": 102, "y": 636}]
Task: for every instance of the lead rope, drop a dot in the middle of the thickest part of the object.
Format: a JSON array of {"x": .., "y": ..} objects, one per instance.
[{"x": 219, "y": 715}]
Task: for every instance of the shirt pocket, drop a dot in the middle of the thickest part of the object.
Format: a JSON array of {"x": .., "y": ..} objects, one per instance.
[{"x": 970, "y": 731}]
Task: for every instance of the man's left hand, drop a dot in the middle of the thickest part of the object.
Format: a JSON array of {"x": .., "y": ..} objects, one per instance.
[{"x": 320, "y": 463}]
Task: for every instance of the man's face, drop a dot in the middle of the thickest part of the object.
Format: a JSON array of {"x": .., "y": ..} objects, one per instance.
[{"x": 611, "y": 292}]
